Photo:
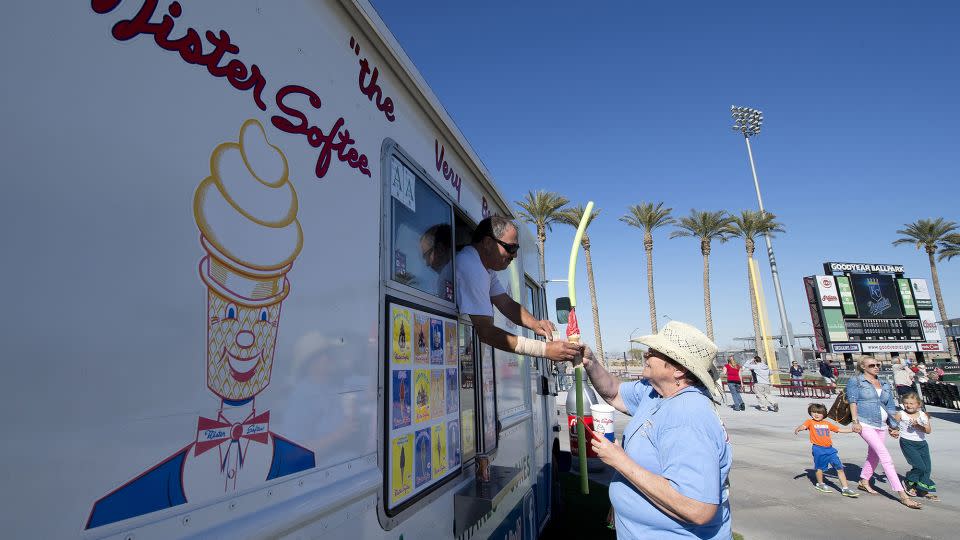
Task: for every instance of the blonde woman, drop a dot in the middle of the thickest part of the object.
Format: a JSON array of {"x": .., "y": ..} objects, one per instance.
[{"x": 873, "y": 405}]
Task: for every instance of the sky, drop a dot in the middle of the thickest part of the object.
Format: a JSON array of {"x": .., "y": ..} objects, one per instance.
[{"x": 626, "y": 102}]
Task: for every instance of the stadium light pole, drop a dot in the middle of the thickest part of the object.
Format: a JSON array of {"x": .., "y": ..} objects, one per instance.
[{"x": 748, "y": 121}]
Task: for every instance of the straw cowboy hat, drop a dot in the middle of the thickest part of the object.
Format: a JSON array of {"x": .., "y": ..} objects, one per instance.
[{"x": 690, "y": 348}]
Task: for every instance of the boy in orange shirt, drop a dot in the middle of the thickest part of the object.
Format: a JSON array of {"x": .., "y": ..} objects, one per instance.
[{"x": 824, "y": 454}]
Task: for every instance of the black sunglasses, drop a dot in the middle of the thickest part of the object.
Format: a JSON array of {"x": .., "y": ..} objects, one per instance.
[
  {"x": 872, "y": 365},
  {"x": 511, "y": 248}
]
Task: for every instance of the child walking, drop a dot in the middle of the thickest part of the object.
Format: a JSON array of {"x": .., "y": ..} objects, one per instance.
[
  {"x": 914, "y": 427},
  {"x": 824, "y": 454}
]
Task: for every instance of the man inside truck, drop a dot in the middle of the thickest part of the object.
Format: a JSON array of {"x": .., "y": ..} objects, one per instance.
[
  {"x": 436, "y": 252},
  {"x": 492, "y": 248}
]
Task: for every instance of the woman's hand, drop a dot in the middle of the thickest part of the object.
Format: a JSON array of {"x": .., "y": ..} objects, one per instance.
[
  {"x": 895, "y": 433},
  {"x": 856, "y": 427},
  {"x": 608, "y": 452},
  {"x": 587, "y": 355}
]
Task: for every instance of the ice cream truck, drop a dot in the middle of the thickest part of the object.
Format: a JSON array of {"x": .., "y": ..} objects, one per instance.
[{"x": 228, "y": 238}]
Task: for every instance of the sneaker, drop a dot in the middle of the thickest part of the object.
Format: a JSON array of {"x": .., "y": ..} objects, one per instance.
[
  {"x": 743, "y": 407},
  {"x": 776, "y": 408},
  {"x": 822, "y": 487},
  {"x": 847, "y": 492}
]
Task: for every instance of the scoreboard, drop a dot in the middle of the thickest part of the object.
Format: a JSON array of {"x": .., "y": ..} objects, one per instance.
[{"x": 859, "y": 307}]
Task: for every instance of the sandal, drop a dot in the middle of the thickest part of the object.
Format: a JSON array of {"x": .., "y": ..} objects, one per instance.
[
  {"x": 932, "y": 497},
  {"x": 911, "y": 492},
  {"x": 910, "y": 503},
  {"x": 866, "y": 487}
]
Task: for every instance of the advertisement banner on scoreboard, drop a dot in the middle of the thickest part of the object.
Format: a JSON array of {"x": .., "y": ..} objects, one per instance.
[
  {"x": 921, "y": 294},
  {"x": 906, "y": 295},
  {"x": 827, "y": 291},
  {"x": 932, "y": 347},
  {"x": 845, "y": 347},
  {"x": 833, "y": 319},
  {"x": 846, "y": 296},
  {"x": 888, "y": 347},
  {"x": 931, "y": 330}
]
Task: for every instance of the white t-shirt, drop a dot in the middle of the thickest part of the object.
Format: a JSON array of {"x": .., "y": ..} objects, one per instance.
[
  {"x": 475, "y": 284},
  {"x": 913, "y": 433},
  {"x": 760, "y": 369}
]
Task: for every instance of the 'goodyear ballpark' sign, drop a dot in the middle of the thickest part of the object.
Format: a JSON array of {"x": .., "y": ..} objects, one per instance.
[{"x": 865, "y": 267}]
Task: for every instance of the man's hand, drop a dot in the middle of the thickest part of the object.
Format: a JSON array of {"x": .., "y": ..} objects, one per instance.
[
  {"x": 562, "y": 351},
  {"x": 544, "y": 328}
]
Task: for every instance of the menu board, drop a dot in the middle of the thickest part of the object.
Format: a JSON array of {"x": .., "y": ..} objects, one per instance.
[
  {"x": 488, "y": 398},
  {"x": 468, "y": 395},
  {"x": 424, "y": 411}
]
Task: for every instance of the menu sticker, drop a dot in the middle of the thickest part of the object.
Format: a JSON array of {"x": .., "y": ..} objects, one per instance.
[
  {"x": 453, "y": 391},
  {"x": 401, "y": 397},
  {"x": 421, "y": 344},
  {"x": 401, "y": 477},
  {"x": 436, "y": 341},
  {"x": 439, "y": 446},
  {"x": 468, "y": 421},
  {"x": 450, "y": 342},
  {"x": 424, "y": 468},
  {"x": 421, "y": 395},
  {"x": 402, "y": 333},
  {"x": 453, "y": 444},
  {"x": 438, "y": 405},
  {"x": 402, "y": 185}
]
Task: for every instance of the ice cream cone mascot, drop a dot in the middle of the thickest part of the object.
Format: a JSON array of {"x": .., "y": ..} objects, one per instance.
[{"x": 246, "y": 211}]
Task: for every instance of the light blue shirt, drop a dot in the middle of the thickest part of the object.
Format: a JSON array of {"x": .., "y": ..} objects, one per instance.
[{"x": 681, "y": 439}]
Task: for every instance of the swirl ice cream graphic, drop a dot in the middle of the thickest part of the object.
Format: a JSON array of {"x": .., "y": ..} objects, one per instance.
[{"x": 246, "y": 211}]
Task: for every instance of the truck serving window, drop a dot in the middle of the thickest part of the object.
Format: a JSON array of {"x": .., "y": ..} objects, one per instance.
[{"x": 421, "y": 234}]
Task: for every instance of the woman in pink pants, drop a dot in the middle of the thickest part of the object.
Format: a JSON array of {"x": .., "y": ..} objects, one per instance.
[{"x": 874, "y": 411}]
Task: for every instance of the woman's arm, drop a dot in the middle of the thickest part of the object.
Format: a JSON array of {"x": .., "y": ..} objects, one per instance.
[
  {"x": 893, "y": 415},
  {"x": 606, "y": 384},
  {"x": 654, "y": 487},
  {"x": 853, "y": 414}
]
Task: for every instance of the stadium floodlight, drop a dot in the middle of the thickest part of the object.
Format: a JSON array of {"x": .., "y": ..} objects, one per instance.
[{"x": 748, "y": 121}]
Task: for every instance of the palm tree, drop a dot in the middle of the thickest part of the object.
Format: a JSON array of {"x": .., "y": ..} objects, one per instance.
[
  {"x": 749, "y": 225},
  {"x": 541, "y": 209},
  {"x": 931, "y": 234},
  {"x": 572, "y": 216},
  {"x": 649, "y": 217},
  {"x": 950, "y": 247},
  {"x": 707, "y": 226}
]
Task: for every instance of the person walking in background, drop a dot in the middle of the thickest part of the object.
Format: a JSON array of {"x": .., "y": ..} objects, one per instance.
[
  {"x": 914, "y": 428},
  {"x": 761, "y": 384},
  {"x": 824, "y": 454},
  {"x": 826, "y": 371},
  {"x": 902, "y": 377},
  {"x": 796, "y": 377},
  {"x": 872, "y": 405},
  {"x": 733, "y": 382}
]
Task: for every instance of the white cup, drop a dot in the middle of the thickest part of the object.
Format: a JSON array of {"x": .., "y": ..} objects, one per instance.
[{"x": 603, "y": 420}]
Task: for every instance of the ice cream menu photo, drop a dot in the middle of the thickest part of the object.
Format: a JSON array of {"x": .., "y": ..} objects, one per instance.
[{"x": 424, "y": 426}]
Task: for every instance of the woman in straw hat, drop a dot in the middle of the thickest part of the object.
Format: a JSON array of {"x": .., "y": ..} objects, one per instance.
[{"x": 671, "y": 474}]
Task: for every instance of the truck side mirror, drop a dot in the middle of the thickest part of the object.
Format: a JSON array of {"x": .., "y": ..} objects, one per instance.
[{"x": 563, "y": 309}]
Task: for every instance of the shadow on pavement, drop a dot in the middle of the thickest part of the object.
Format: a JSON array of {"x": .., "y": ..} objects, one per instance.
[
  {"x": 853, "y": 477},
  {"x": 948, "y": 416}
]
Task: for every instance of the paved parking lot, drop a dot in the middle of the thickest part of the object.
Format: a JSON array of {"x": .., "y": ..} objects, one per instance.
[{"x": 772, "y": 495}]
